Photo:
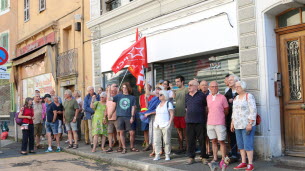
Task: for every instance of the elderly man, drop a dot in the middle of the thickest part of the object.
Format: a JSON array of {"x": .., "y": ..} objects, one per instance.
[
  {"x": 52, "y": 93},
  {"x": 39, "y": 113},
  {"x": 88, "y": 113},
  {"x": 51, "y": 123},
  {"x": 230, "y": 95},
  {"x": 218, "y": 108},
  {"x": 71, "y": 110},
  {"x": 179, "y": 119},
  {"x": 112, "y": 119},
  {"x": 195, "y": 103},
  {"x": 204, "y": 87}
]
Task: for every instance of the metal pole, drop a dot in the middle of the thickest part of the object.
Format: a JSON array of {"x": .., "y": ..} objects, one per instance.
[
  {"x": 1, "y": 152},
  {"x": 123, "y": 78},
  {"x": 16, "y": 130}
]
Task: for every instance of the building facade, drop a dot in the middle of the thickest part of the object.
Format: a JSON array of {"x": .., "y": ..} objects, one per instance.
[
  {"x": 260, "y": 41},
  {"x": 8, "y": 39},
  {"x": 53, "y": 50}
]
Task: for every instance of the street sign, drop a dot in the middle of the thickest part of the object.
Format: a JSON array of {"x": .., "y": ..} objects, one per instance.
[
  {"x": 4, "y": 76},
  {"x": 3, "y": 56},
  {"x": 3, "y": 68}
]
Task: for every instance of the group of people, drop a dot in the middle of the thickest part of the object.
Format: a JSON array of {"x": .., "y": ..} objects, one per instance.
[{"x": 198, "y": 112}]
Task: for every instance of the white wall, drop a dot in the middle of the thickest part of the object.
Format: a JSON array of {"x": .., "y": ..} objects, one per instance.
[{"x": 181, "y": 37}]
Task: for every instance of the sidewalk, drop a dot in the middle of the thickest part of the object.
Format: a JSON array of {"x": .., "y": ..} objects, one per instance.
[{"x": 142, "y": 161}]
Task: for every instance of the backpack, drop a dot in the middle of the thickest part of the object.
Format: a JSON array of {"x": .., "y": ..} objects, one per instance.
[
  {"x": 258, "y": 117},
  {"x": 17, "y": 119}
]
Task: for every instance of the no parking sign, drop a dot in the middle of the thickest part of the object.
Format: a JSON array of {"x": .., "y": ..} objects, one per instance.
[{"x": 3, "y": 56}]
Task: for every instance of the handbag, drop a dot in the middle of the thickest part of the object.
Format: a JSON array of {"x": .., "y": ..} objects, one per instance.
[
  {"x": 258, "y": 117},
  {"x": 17, "y": 119}
]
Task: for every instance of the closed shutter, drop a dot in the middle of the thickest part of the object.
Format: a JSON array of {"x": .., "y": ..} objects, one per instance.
[
  {"x": 5, "y": 41},
  {"x": 210, "y": 68}
]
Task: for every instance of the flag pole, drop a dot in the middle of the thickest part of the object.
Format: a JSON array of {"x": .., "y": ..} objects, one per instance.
[{"x": 123, "y": 78}]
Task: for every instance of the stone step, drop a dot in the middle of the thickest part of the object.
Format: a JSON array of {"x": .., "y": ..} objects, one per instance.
[{"x": 290, "y": 161}]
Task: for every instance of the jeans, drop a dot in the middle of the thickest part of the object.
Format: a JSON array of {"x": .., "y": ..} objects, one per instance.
[
  {"x": 245, "y": 141},
  {"x": 196, "y": 131},
  {"x": 166, "y": 134},
  {"x": 28, "y": 138},
  {"x": 79, "y": 130}
]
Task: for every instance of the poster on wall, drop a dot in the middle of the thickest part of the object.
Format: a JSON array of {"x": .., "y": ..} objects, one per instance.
[{"x": 44, "y": 83}]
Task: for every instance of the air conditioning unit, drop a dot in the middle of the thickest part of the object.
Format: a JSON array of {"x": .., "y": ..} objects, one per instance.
[{"x": 77, "y": 26}]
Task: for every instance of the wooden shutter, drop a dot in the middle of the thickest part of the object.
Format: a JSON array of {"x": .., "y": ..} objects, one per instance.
[{"x": 5, "y": 41}]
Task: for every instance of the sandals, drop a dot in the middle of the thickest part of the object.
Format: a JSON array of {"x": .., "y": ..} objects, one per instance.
[
  {"x": 109, "y": 150},
  {"x": 147, "y": 148},
  {"x": 75, "y": 146},
  {"x": 124, "y": 151},
  {"x": 120, "y": 149},
  {"x": 70, "y": 146},
  {"x": 152, "y": 154},
  {"x": 134, "y": 149}
]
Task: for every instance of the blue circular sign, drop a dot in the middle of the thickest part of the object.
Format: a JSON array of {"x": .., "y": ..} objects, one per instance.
[{"x": 3, "y": 56}]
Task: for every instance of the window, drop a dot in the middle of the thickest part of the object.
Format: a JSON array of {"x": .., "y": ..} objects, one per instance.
[
  {"x": 42, "y": 5},
  {"x": 291, "y": 17},
  {"x": 4, "y": 40},
  {"x": 26, "y": 10},
  {"x": 4, "y": 6},
  {"x": 112, "y": 4}
]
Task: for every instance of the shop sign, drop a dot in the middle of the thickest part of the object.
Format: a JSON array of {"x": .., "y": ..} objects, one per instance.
[
  {"x": 50, "y": 38},
  {"x": 3, "y": 68},
  {"x": 4, "y": 76}
]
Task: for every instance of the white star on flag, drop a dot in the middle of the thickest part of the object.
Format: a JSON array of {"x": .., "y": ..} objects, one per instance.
[{"x": 139, "y": 50}]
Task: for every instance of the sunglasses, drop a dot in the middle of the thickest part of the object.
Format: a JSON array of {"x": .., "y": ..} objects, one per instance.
[{"x": 161, "y": 95}]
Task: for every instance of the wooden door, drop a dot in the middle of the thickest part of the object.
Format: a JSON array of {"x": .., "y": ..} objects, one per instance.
[{"x": 292, "y": 61}]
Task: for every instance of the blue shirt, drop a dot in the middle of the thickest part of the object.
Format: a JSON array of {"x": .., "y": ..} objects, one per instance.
[
  {"x": 196, "y": 108},
  {"x": 124, "y": 104},
  {"x": 50, "y": 114},
  {"x": 87, "y": 108}
]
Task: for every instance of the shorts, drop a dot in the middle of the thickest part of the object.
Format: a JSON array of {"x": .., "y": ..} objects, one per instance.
[
  {"x": 179, "y": 122},
  {"x": 217, "y": 131},
  {"x": 60, "y": 130},
  {"x": 244, "y": 141},
  {"x": 144, "y": 126},
  {"x": 123, "y": 123},
  {"x": 52, "y": 127},
  {"x": 71, "y": 125},
  {"x": 112, "y": 124},
  {"x": 38, "y": 129}
]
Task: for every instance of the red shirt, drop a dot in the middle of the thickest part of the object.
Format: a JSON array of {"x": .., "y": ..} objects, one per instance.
[
  {"x": 28, "y": 112},
  {"x": 143, "y": 102}
]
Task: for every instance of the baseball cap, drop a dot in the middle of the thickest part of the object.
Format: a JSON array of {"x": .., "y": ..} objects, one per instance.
[
  {"x": 161, "y": 81},
  {"x": 47, "y": 95}
]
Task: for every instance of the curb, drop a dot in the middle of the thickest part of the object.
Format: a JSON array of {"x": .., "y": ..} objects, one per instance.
[{"x": 131, "y": 164}]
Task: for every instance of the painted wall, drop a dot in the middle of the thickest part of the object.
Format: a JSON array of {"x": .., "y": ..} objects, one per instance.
[{"x": 195, "y": 33}]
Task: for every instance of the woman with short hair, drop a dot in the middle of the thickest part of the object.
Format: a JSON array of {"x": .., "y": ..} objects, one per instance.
[
  {"x": 243, "y": 123},
  {"x": 27, "y": 127},
  {"x": 162, "y": 125}
]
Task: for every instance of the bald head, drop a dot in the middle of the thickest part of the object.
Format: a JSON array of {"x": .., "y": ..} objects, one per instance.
[
  {"x": 193, "y": 86},
  {"x": 204, "y": 87}
]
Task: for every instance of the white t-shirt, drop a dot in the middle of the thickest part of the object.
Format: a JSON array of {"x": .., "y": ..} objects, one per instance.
[
  {"x": 80, "y": 102},
  {"x": 162, "y": 115},
  {"x": 170, "y": 93}
]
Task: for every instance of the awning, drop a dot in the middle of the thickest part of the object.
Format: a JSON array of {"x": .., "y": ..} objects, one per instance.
[{"x": 30, "y": 56}]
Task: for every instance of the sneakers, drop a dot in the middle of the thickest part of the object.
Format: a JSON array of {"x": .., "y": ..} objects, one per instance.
[
  {"x": 222, "y": 164},
  {"x": 241, "y": 166},
  {"x": 250, "y": 167},
  {"x": 49, "y": 150},
  {"x": 157, "y": 157},
  {"x": 167, "y": 157},
  {"x": 58, "y": 149}
]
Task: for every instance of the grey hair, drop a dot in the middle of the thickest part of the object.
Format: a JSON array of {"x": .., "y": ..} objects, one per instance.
[
  {"x": 213, "y": 82},
  {"x": 165, "y": 94},
  {"x": 236, "y": 78},
  {"x": 77, "y": 92},
  {"x": 103, "y": 94},
  {"x": 243, "y": 84},
  {"x": 90, "y": 87},
  {"x": 69, "y": 92}
]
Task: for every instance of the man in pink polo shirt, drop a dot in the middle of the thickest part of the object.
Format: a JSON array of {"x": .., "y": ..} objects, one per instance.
[{"x": 218, "y": 108}]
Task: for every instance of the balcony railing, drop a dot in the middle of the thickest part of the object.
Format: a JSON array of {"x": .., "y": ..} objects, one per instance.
[{"x": 67, "y": 63}]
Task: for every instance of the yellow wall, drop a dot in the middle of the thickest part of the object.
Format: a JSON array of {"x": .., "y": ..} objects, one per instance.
[
  {"x": 9, "y": 23},
  {"x": 63, "y": 12}
]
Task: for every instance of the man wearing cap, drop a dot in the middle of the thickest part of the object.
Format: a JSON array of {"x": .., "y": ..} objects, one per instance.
[{"x": 51, "y": 123}]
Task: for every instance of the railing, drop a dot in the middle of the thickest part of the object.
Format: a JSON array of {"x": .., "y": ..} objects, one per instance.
[{"x": 67, "y": 63}]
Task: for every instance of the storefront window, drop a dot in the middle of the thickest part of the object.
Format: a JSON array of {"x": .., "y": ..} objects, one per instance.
[{"x": 210, "y": 68}]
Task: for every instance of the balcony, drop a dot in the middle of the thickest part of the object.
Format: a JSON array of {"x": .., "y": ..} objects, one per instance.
[{"x": 67, "y": 63}]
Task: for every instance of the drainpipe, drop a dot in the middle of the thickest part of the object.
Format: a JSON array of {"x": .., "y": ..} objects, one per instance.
[{"x": 83, "y": 49}]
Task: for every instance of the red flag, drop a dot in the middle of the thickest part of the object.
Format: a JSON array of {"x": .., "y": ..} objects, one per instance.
[{"x": 136, "y": 54}]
